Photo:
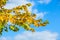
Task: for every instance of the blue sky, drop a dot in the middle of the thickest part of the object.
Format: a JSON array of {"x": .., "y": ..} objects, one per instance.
[{"x": 45, "y": 9}]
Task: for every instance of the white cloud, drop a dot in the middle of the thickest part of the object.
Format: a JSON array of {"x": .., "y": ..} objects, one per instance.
[
  {"x": 13, "y": 3},
  {"x": 5, "y": 38},
  {"x": 10, "y": 5},
  {"x": 20, "y": 2},
  {"x": 44, "y": 35},
  {"x": 39, "y": 14},
  {"x": 35, "y": 11},
  {"x": 44, "y": 1}
]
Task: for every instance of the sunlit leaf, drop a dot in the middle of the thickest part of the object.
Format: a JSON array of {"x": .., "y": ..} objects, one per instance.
[
  {"x": 46, "y": 22},
  {"x": 23, "y": 19},
  {"x": 26, "y": 26},
  {"x": 2, "y": 3},
  {"x": 29, "y": 4},
  {"x": 13, "y": 28}
]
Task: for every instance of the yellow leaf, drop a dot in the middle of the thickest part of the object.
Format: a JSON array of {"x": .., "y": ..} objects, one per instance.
[{"x": 29, "y": 4}]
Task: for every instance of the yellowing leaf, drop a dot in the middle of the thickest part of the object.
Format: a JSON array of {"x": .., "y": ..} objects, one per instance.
[{"x": 29, "y": 4}]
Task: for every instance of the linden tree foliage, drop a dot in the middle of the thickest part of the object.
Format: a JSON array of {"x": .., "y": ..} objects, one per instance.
[{"x": 24, "y": 19}]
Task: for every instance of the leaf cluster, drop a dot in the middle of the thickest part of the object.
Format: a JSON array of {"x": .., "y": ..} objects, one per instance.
[{"x": 24, "y": 19}]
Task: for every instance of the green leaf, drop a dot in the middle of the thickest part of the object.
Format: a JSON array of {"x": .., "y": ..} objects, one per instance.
[
  {"x": 29, "y": 4},
  {"x": 32, "y": 30},
  {"x": 13, "y": 28},
  {"x": 1, "y": 30},
  {"x": 46, "y": 22},
  {"x": 27, "y": 27}
]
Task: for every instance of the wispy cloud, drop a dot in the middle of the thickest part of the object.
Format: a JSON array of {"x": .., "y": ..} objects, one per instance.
[
  {"x": 13, "y": 3},
  {"x": 44, "y": 35},
  {"x": 5, "y": 38},
  {"x": 39, "y": 14},
  {"x": 44, "y": 1}
]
